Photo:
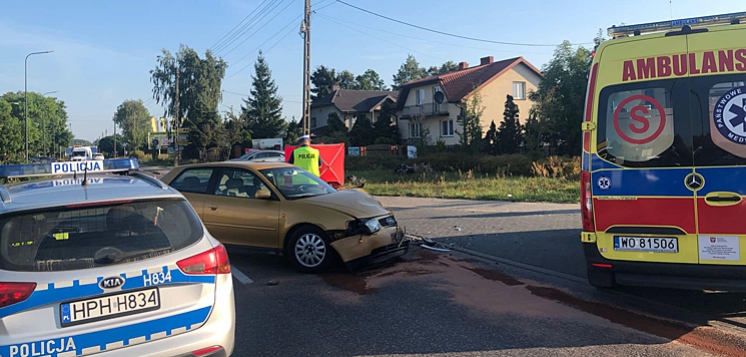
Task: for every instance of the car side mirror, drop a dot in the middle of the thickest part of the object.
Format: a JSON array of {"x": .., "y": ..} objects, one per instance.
[{"x": 262, "y": 195}]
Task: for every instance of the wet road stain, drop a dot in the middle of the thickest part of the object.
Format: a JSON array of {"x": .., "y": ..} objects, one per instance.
[
  {"x": 496, "y": 276},
  {"x": 707, "y": 338},
  {"x": 349, "y": 282}
]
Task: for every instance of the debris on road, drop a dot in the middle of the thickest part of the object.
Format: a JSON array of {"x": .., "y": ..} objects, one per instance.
[{"x": 273, "y": 283}]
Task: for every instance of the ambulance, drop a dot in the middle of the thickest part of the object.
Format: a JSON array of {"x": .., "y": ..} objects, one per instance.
[{"x": 664, "y": 156}]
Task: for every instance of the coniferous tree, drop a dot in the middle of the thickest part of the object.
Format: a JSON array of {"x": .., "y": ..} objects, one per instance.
[{"x": 263, "y": 108}]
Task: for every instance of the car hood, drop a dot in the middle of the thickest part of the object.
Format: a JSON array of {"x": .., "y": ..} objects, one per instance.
[{"x": 352, "y": 202}]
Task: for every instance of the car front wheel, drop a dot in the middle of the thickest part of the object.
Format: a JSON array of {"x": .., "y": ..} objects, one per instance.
[{"x": 309, "y": 250}]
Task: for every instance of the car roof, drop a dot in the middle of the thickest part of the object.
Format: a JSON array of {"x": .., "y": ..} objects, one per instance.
[
  {"x": 239, "y": 164},
  {"x": 62, "y": 191}
]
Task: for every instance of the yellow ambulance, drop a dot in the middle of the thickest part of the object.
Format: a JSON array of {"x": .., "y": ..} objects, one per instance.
[{"x": 664, "y": 156}]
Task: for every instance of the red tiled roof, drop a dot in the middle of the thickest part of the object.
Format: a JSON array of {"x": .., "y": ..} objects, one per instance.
[{"x": 457, "y": 85}]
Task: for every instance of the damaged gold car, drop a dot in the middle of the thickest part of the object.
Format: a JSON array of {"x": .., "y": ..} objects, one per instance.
[{"x": 284, "y": 208}]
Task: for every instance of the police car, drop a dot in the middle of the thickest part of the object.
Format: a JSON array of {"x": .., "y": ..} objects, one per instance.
[{"x": 102, "y": 259}]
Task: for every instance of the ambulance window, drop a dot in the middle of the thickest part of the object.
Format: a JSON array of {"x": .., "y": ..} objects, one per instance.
[
  {"x": 723, "y": 120},
  {"x": 640, "y": 126}
]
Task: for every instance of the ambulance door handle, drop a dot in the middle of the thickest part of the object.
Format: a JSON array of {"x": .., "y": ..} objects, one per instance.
[{"x": 723, "y": 198}]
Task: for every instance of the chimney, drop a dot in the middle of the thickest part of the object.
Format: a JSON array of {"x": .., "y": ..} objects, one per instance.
[
  {"x": 335, "y": 87},
  {"x": 487, "y": 60},
  {"x": 463, "y": 65}
]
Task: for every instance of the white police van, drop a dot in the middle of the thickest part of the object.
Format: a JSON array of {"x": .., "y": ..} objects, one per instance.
[{"x": 102, "y": 259}]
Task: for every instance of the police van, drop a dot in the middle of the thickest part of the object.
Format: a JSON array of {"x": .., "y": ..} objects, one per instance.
[
  {"x": 664, "y": 156},
  {"x": 98, "y": 258}
]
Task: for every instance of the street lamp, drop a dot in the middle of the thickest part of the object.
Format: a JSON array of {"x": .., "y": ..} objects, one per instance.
[
  {"x": 25, "y": 93},
  {"x": 43, "y": 133}
]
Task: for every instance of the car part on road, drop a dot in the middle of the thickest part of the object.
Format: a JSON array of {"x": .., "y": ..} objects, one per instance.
[{"x": 434, "y": 248}]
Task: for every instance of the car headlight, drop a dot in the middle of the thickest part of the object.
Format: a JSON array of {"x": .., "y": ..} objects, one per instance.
[{"x": 373, "y": 225}]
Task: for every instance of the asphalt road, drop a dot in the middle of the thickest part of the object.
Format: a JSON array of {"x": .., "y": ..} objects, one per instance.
[{"x": 429, "y": 304}]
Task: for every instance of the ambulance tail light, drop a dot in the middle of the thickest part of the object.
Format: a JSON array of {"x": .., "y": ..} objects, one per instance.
[
  {"x": 211, "y": 262},
  {"x": 13, "y": 293},
  {"x": 586, "y": 202}
]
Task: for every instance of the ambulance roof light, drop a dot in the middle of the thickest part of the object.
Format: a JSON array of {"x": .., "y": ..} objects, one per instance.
[
  {"x": 67, "y": 168},
  {"x": 724, "y": 19}
]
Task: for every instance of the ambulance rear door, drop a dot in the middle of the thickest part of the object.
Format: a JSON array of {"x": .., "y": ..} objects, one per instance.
[
  {"x": 643, "y": 210},
  {"x": 718, "y": 105}
]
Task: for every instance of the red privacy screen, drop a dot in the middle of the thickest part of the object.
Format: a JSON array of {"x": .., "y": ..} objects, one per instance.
[{"x": 332, "y": 162}]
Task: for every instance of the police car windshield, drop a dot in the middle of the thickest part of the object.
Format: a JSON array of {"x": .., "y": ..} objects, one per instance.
[
  {"x": 295, "y": 183},
  {"x": 83, "y": 237},
  {"x": 78, "y": 153}
]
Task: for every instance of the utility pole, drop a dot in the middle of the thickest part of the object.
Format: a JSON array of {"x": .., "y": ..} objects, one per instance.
[
  {"x": 306, "y": 33},
  {"x": 176, "y": 121},
  {"x": 115, "y": 139}
]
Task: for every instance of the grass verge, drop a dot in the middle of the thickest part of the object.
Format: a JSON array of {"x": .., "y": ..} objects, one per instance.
[{"x": 471, "y": 186}]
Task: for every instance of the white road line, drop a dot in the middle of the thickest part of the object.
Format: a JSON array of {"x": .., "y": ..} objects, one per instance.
[{"x": 240, "y": 276}]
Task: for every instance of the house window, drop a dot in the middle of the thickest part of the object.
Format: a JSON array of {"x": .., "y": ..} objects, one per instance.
[
  {"x": 313, "y": 122},
  {"x": 415, "y": 130},
  {"x": 420, "y": 96},
  {"x": 446, "y": 127},
  {"x": 519, "y": 90}
]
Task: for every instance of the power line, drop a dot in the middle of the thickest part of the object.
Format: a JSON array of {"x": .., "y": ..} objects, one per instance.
[
  {"x": 265, "y": 42},
  {"x": 380, "y": 39},
  {"x": 246, "y": 27},
  {"x": 450, "y": 34},
  {"x": 237, "y": 25},
  {"x": 424, "y": 39},
  {"x": 260, "y": 28},
  {"x": 323, "y": 7}
]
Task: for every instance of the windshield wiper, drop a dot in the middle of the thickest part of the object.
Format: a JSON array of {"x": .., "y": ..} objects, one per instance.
[{"x": 116, "y": 258}]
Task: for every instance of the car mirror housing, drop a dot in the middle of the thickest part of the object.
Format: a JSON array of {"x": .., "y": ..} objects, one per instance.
[{"x": 262, "y": 195}]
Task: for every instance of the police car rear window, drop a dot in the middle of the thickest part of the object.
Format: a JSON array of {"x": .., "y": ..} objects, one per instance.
[{"x": 83, "y": 237}]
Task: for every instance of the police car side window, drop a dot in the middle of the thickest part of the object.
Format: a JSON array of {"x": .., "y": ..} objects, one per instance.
[
  {"x": 721, "y": 105},
  {"x": 193, "y": 180},
  {"x": 645, "y": 125}
]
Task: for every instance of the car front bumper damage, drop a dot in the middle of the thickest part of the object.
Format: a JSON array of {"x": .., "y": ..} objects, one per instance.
[{"x": 362, "y": 250}]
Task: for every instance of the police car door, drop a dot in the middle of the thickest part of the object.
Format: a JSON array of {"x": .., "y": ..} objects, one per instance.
[
  {"x": 718, "y": 81},
  {"x": 643, "y": 210}
]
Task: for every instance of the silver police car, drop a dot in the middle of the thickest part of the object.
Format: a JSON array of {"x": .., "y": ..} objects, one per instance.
[{"x": 105, "y": 260}]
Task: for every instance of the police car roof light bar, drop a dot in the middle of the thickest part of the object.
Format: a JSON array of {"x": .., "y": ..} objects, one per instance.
[
  {"x": 67, "y": 168},
  {"x": 617, "y": 31}
]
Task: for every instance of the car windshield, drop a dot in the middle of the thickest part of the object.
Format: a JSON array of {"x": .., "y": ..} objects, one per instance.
[
  {"x": 296, "y": 183},
  {"x": 78, "y": 153},
  {"x": 70, "y": 238}
]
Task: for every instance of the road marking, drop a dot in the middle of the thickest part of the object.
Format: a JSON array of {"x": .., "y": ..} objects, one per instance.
[{"x": 240, "y": 276}]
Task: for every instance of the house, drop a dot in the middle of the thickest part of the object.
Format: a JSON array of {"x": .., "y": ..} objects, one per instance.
[
  {"x": 350, "y": 105},
  {"x": 421, "y": 110}
]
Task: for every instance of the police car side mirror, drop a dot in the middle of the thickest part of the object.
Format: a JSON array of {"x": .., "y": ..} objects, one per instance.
[{"x": 262, "y": 195}]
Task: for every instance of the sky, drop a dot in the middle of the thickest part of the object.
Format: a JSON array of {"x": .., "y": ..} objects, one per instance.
[{"x": 104, "y": 51}]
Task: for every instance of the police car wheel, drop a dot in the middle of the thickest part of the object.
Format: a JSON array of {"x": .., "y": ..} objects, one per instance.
[
  {"x": 601, "y": 277},
  {"x": 309, "y": 250}
]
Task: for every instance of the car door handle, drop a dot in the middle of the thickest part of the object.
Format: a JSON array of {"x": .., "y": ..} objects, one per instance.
[
  {"x": 214, "y": 208},
  {"x": 723, "y": 198}
]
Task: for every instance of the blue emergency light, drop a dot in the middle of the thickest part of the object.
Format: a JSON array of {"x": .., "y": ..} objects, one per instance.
[
  {"x": 736, "y": 17},
  {"x": 66, "y": 168}
]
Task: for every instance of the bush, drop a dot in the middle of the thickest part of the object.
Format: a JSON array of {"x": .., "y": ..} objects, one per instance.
[
  {"x": 137, "y": 154},
  {"x": 384, "y": 141},
  {"x": 502, "y": 165},
  {"x": 373, "y": 163}
]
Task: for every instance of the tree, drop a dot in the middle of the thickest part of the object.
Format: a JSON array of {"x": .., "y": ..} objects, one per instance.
[
  {"x": 346, "y": 80},
  {"x": 323, "y": 79},
  {"x": 134, "y": 120},
  {"x": 334, "y": 124},
  {"x": 383, "y": 129},
  {"x": 491, "y": 143},
  {"x": 82, "y": 142},
  {"x": 370, "y": 80},
  {"x": 293, "y": 132},
  {"x": 11, "y": 140},
  {"x": 263, "y": 107},
  {"x": 199, "y": 90},
  {"x": 409, "y": 71},
  {"x": 533, "y": 134},
  {"x": 47, "y": 116},
  {"x": 362, "y": 132},
  {"x": 510, "y": 133},
  {"x": 559, "y": 99},
  {"x": 446, "y": 67},
  {"x": 237, "y": 131},
  {"x": 106, "y": 145},
  {"x": 470, "y": 119}
]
